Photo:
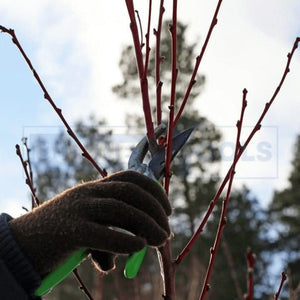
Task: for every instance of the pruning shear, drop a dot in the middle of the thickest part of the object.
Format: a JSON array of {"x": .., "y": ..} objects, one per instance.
[{"x": 155, "y": 170}]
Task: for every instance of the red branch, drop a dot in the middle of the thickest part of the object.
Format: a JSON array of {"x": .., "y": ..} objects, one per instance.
[
  {"x": 212, "y": 204},
  {"x": 148, "y": 40},
  {"x": 173, "y": 31},
  {"x": 222, "y": 221},
  {"x": 82, "y": 286},
  {"x": 28, "y": 162},
  {"x": 142, "y": 76},
  {"x": 283, "y": 279},
  {"x": 198, "y": 61},
  {"x": 48, "y": 97},
  {"x": 251, "y": 258},
  {"x": 158, "y": 61},
  {"x": 167, "y": 265},
  {"x": 168, "y": 270},
  {"x": 28, "y": 176},
  {"x": 141, "y": 28}
]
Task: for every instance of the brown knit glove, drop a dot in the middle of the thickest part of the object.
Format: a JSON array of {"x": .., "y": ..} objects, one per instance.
[{"x": 83, "y": 216}]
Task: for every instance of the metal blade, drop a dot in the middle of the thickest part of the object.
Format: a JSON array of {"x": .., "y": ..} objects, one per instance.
[
  {"x": 139, "y": 151},
  {"x": 157, "y": 163}
]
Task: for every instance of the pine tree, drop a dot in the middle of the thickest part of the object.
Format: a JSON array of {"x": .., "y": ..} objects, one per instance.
[{"x": 285, "y": 215}]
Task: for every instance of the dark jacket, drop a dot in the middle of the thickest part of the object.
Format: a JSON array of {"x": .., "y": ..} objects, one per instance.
[{"x": 18, "y": 279}]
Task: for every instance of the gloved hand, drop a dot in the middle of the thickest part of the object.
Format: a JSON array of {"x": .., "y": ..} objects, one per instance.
[{"x": 83, "y": 217}]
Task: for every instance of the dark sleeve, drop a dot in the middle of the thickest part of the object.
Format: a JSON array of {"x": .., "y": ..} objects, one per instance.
[{"x": 18, "y": 279}]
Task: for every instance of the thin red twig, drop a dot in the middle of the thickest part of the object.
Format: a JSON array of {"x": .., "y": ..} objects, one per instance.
[
  {"x": 141, "y": 28},
  {"x": 148, "y": 49},
  {"x": 212, "y": 204},
  {"x": 283, "y": 279},
  {"x": 135, "y": 35},
  {"x": 82, "y": 286},
  {"x": 222, "y": 221},
  {"x": 251, "y": 258},
  {"x": 198, "y": 61},
  {"x": 142, "y": 77},
  {"x": 49, "y": 99},
  {"x": 28, "y": 162},
  {"x": 158, "y": 61},
  {"x": 173, "y": 31},
  {"x": 28, "y": 179},
  {"x": 168, "y": 270},
  {"x": 167, "y": 265}
]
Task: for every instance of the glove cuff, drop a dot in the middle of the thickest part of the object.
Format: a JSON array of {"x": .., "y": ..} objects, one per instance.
[{"x": 15, "y": 259}]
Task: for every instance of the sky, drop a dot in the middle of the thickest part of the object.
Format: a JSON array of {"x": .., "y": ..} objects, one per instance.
[{"x": 75, "y": 46}]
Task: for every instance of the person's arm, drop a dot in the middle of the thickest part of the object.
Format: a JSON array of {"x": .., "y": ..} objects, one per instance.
[{"x": 18, "y": 278}]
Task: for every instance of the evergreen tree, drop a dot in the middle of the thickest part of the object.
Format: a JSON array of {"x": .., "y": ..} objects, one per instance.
[{"x": 285, "y": 215}]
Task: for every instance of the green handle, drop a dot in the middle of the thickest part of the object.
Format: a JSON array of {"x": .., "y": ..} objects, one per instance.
[
  {"x": 133, "y": 263},
  {"x": 56, "y": 276}
]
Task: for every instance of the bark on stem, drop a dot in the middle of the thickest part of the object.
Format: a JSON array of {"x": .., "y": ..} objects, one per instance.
[
  {"x": 166, "y": 263},
  {"x": 173, "y": 31},
  {"x": 168, "y": 269},
  {"x": 158, "y": 60},
  {"x": 142, "y": 76}
]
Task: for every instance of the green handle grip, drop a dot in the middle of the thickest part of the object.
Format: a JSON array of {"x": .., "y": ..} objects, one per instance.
[
  {"x": 56, "y": 276},
  {"x": 133, "y": 263}
]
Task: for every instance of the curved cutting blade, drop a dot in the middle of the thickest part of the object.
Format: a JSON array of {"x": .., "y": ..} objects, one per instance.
[{"x": 157, "y": 163}]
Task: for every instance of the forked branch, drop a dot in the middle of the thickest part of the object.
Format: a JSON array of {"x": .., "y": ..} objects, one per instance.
[
  {"x": 222, "y": 221},
  {"x": 28, "y": 179},
  {"x": 213, "y": 203}
]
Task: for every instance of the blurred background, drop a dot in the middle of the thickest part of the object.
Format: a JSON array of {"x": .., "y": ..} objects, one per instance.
[{"x": 83, "y": 53}]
